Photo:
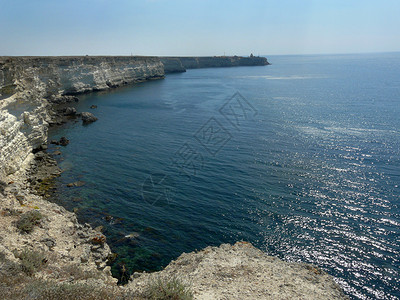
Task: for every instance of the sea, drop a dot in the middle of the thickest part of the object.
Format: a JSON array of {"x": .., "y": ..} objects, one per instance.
[{"x": 301, "y": 158}]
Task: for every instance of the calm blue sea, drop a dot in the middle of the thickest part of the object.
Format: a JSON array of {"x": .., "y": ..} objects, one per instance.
[{"x": 300, "y": 158}]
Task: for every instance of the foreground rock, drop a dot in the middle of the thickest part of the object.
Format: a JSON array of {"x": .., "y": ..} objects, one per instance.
[
  {"x": 243, "y": 272},
  {"x": 56, "y": 233}
]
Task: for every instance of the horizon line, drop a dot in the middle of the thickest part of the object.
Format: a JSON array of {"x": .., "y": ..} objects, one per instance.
[{"x": 247, "y": 55}]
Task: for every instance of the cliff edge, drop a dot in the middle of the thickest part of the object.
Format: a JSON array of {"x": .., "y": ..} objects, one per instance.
[{"x": 241, "y": 271}]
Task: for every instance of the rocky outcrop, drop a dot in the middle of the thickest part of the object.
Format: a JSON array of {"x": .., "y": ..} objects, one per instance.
[
  {"x": 57, "y": 234},
  {"x": 180, "y": 64},
  {"x": 241, "y": 271},
  {"x": 28, "y": 85},
  {"x": 88, "y": 118}
]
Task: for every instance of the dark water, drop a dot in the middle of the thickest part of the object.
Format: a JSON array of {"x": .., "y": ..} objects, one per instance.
[{"x": 306, "y": 166}]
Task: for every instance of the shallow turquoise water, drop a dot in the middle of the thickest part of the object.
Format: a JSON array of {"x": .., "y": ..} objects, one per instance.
[{"x": 305, "y": 166}]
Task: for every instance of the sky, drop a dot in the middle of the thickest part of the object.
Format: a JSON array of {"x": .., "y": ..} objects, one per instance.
[{"x": 189, "y": 27}]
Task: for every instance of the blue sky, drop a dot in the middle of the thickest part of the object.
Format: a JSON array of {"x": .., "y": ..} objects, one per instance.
[{"x": 188, "y": 27}]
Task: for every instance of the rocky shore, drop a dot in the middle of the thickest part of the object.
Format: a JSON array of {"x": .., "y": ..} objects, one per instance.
[{"x": 43, "y": 248}]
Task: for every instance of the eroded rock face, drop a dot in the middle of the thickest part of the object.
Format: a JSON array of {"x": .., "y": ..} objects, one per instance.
[
  {"x": 30, "y": 85},
  {"x": 88, "y": 118},
  {"x": 180, "y": 64},
  {"x": 29, "y": 89},
  {"x": 58, "y": 234},
  {"x": 242, "y": 271}
]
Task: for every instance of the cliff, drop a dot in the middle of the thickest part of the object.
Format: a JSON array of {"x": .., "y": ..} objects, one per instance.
[
  {"x": 28, "y": 85},
  {"x": 46, "y": 254},
  {"x": 180, "y": 64}
]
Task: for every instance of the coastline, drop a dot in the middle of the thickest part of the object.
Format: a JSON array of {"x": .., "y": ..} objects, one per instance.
[{"x": 39, "y": 89}]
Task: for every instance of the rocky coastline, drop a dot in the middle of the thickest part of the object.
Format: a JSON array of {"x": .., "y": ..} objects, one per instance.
[
  {"x": 38, "y": 92},
  {"x": 180, "y": 64}
]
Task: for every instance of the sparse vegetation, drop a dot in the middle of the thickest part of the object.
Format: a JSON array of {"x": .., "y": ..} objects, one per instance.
[
  {"x": 8, "y": 268},
  {"x": 47, "y": 290},
  {"x": 7, "y": 90},
  {"x": 29, "y": 220},
  {"x": 15, "y": 284},
  {"x": 31, "y": 261},
  {"x": 77, "y": 273},
  {"x": 19, "y": 287},
  {"x": 167, "y": 288}
]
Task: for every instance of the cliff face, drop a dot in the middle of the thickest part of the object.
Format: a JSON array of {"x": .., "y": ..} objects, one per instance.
[
  {"x": 70, "y": 75},
  {"x": 180, "y": 64},
  {"x": 27, "y": 84}
]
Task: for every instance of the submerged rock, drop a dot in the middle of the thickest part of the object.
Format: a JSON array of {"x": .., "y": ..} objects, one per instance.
[
  {"x": 132, "y": 235},
  {"x": 63, "y": 141},
  {"x": 76, "y": 184},
  {"x": 88, "y": 118},
  {"x": 70, "y": 111}
]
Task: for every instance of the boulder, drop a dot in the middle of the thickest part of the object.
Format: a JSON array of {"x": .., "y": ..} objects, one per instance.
[
  {"x": 63, "y": 141},
  {"x": 76, "y": 184},
  {"x": 88, "y": 118},
  {"x": 70, "y": 111},
  {"x": 57, "y": 99}
]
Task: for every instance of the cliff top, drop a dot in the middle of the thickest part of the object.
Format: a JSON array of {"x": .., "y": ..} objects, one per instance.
[{"x": 242, "y": 271}]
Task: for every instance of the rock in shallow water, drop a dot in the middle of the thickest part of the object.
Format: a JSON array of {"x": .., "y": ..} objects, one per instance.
[
  {"x": 70, "y": 111},
  {"x": 76, "y": 184},
  {"x": 63, "y": 141},
  {"x": 88, "y": 118}
]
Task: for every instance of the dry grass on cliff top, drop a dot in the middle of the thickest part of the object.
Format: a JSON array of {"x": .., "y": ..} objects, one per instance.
[{"x": 18, "y": 281}]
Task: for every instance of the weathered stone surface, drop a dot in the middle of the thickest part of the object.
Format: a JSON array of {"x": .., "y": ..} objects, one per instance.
[
  {"x": 30, "y": 85},
  {"x": 88, "y": 118},
  {"x": 61, "y": 99},
  {"x": 69, "y": 111},
  {"x": 172, "y": 65},
  {"x": 180, "y": 64},
  {"x": 242, "y": 271},
  {"x": 58, "y": 232}
]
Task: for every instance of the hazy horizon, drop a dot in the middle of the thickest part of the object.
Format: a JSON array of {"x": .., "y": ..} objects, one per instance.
[
  {"x": 243, "y": 55},
  {"x": 197, "y": 28}
]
